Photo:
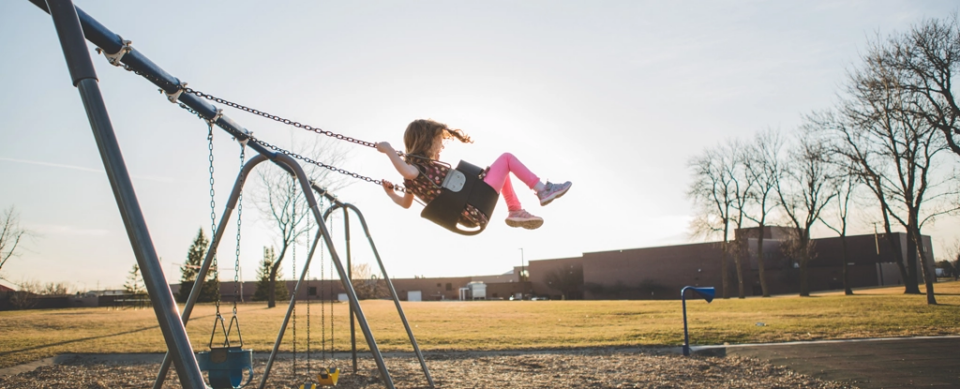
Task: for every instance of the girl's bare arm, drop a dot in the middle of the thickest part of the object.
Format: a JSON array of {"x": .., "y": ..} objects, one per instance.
[
  {"x": 406, "y": 170},
  {"x": 404, "y": 201}
]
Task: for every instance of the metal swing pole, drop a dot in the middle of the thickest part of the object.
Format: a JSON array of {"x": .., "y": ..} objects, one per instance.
[
  {"x": 353, "y": 330},
  {"x": 301, "y": 176},
  {"x": 383, "y": 270},
  {"x": 211, "y": 252},
  {"x": 71, "y": 36}
]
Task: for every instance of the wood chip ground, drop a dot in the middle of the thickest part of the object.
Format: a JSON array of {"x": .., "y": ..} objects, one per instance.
[{"x": 582, "y": 369}]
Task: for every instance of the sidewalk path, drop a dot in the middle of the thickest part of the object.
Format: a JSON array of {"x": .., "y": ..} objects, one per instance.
[{"x": 928, "y": 362}]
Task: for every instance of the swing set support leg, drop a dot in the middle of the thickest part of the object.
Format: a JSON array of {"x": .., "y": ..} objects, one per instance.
[
  {"x": 71, "y": 36},
  {"x": 301, "y": 176},
  {"x": 383, "y": 270}
]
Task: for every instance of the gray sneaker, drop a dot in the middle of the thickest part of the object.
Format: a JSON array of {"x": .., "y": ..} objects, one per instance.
[
  {"x": 524, "y": 219},
  {"x": 553, "y": 191}
]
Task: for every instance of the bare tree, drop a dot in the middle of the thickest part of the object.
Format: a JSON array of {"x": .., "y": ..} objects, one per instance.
[
  {"x": 712, "y": 192},
  {"x": 366, "y": 284},
  {"x": 741, "y": 193},
  {"x": 56, "y": 289},
  {"x": 763, "y": 170},
  {"x": 856, "y": 155},
  {"x": 844, "y": 188},
  {"x": 895, "y": 151},
  {"x": 793, "y": 249},
  {"x": 282, "y": 202},
  {"x": 926, "y": 58},
  {"x": 567, "y": 279},
  {"x": 10, "y": 235},
  {"x": 290, "y": 214},
  {"x": 32, "y": 286},
  {"x": 949, "y": 254},
  {"x": 804, "y": 188}
]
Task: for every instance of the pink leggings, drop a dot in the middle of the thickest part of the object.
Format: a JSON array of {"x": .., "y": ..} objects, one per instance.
[{"x": 498, "y": 178}]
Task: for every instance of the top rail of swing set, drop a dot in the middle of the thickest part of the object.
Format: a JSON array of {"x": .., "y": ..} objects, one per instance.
[{"x": 111, "y": 43}]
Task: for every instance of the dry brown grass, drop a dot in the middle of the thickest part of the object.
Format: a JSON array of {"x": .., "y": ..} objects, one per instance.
[{"x": 501, "y": 325}]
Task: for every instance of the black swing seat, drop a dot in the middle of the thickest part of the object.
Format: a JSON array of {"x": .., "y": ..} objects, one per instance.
[{"x": 462, "y": 186}]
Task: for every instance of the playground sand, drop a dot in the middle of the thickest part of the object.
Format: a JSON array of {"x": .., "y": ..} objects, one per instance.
[{"x": 581, "y": 369}]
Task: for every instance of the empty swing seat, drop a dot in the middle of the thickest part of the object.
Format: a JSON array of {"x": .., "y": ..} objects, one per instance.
[
  {"x": 462, "y": 186},
  {"x": 225, "y": 366}
]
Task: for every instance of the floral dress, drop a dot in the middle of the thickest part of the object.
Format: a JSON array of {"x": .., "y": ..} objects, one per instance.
[{"x": 427, "y": 186}]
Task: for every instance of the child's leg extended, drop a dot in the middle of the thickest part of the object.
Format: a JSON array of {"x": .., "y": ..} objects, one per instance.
[
  {"x": 517, "y": 216},
  {"x": 506, "y": 164},
  {"x": 499, "y": 178},
  {"x": 513, "y": 203}
]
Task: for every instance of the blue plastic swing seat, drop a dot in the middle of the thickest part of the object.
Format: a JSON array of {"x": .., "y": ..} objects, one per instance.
[{"x": 225, "y": 365}]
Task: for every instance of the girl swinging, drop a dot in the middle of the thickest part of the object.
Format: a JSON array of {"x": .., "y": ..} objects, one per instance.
[{"x": 423, "y": 175}]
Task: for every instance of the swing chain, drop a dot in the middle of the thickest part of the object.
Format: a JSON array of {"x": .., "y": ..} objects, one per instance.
[
  {"x": 213, "y": 215},
  {"x": 323, "y": 317},
  {"x": 293, "y": 258},
  {"x": 277, "y": 118},
  {"x": 309, "y": 160},
  {"x": 236, "y": 264},
  {"x": 183, "y": 88},
  {"x": 321, "y": 164}
]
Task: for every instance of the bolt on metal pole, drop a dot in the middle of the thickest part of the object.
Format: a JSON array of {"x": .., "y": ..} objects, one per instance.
[{"x": 70, "y": 33}]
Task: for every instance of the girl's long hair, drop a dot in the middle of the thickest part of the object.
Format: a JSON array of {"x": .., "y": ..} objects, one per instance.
[{"x": 420, "y": 135}]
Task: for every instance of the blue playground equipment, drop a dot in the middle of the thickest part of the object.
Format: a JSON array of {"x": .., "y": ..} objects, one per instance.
[
  {"x": 706, "y": 293},
  {"x": 225, "y": 365}
]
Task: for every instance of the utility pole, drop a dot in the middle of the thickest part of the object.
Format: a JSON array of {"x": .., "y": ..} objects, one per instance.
[
  {"x": 876, "y": 242},
  {"x": 523, "y": 272},
  {"x": 876, "y": 238}
]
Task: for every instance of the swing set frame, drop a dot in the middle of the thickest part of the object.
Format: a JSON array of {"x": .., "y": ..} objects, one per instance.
[{"x": 73, "y": 26}]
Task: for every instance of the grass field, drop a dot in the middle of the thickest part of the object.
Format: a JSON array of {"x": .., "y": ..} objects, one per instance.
[{"x": 499, "y": 325}]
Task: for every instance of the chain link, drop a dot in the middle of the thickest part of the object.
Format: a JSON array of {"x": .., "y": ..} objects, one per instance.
[
  {"x": 213, "y": 217},
  {"x": 293, "y": 258},
  {"x": 323, "y": 314},
  {"x": 309, "y": 160},
  {"x": 309, "y": 259},
  {"x": 236, "y": 264},
  {"x": 332, "y": 298},
  {"x": 321, "y": 164},
  {"x": 277, "y": 119}
]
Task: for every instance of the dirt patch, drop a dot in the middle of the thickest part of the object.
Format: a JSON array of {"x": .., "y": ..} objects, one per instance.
[{"x": 579, "y": 369}]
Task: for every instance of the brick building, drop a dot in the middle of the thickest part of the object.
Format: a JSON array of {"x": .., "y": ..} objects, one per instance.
[
  {"x": 657, "y": 272},
  {"x": 660, "y": 272}
]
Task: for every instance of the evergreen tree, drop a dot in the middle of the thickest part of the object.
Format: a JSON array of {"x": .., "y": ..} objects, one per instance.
[
  {"x": 263, "y": 278},
  {"x": 134, "y": 285},
  {"x": 190, "y": 268}
]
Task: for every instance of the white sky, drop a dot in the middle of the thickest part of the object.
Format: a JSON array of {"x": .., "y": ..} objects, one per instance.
[{"x": 615, "y": 96}]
